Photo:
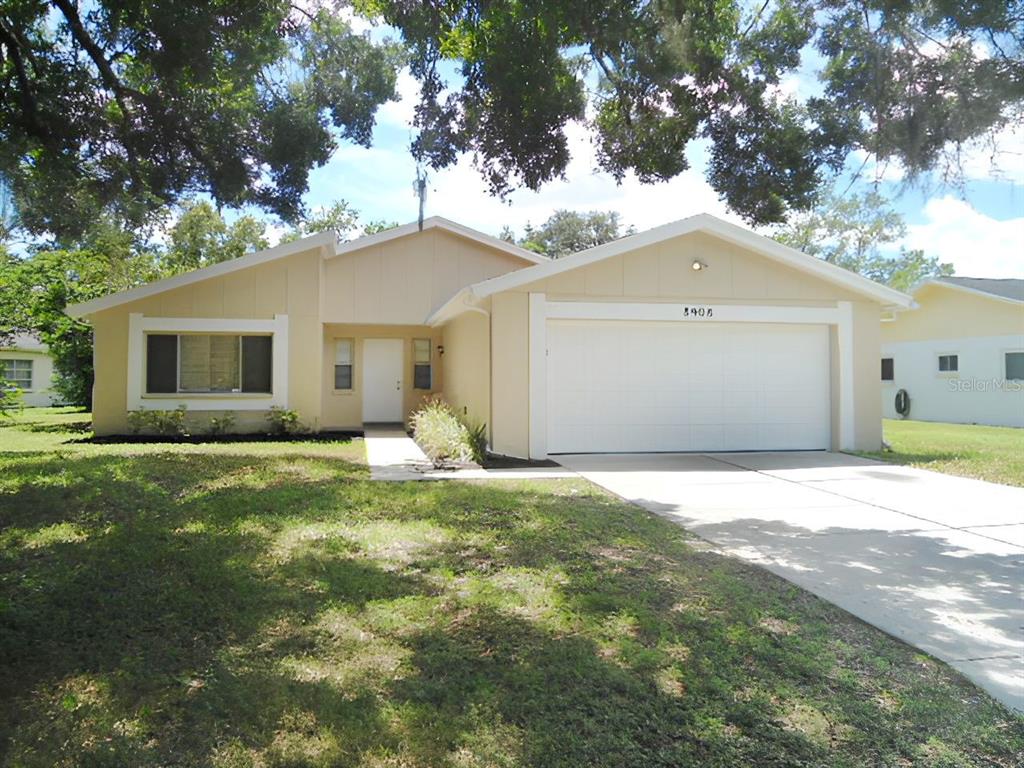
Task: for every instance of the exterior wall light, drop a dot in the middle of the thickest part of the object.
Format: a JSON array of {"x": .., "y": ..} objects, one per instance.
[{"x": 698, "y": 265}]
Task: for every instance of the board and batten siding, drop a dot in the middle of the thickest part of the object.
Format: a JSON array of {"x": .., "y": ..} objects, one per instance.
[{"x": 287, "y": 286}]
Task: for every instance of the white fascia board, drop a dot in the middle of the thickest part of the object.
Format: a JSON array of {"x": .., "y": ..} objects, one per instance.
[
  {"x": 437, "y": 222},
  {"x": 92, "y": 306},
  {"x": 701, "y": 223},
  {"x": 456, "y": 305},
  {"x": 965, "y": 289}
]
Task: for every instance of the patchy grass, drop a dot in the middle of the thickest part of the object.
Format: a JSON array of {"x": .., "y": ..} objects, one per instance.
[
  {"x": 969, "y": 450},
  {"x": 265, "y": 605}
]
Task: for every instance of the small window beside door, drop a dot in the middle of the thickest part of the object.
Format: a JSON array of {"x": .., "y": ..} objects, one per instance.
[
  {"x": 422, "y": 375},
  {"x": 343, "y": 364},
  {"x": 888, "y": 369},
  {"x": 949, "y": 363},
  {"x": 1014, "y": 366}
]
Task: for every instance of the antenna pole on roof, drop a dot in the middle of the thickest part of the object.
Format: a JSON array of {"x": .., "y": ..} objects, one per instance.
[{"x": 420, "y": 188}]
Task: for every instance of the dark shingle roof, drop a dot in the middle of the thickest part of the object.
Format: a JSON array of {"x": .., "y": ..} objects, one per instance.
[{"x": 1009, "y": 288}]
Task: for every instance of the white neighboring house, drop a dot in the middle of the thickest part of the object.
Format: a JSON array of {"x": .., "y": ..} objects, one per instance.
[
  {"x": 959, "y": 354},
  {"x": 26, "y": 363}
]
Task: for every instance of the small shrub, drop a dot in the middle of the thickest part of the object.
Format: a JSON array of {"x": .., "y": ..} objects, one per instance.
[
  {"x": 221, "y": 425},
  {"x": 444, "y": 437},
  {"x": 284, "y": 421},
  {"x": 10, "y": 399},
  {"x": 166, "y": 423}
]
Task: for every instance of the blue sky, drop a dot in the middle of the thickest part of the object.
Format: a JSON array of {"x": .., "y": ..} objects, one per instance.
[{"x": 980, "y": 229}]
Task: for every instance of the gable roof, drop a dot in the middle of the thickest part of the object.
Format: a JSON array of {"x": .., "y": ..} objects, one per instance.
[
  {"x": 187, "y": 278},
  {"x": 1011, "y": 289},
  {"x": 320, "y": 239},
  {"x": 23, "y": 342},
  {"x": 439, "y": 222},
  {"x": 703, "y": 222}
]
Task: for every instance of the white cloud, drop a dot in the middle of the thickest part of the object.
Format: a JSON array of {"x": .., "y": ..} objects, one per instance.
[{"x": 976, "y": 244}]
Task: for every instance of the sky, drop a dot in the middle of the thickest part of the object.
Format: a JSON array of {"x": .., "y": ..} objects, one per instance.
[{"x": 979, "y": 229}]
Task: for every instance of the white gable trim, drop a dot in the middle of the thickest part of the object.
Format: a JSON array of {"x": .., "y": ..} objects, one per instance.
[
  {"x": 216, "y": 270},
  {"x": 700, "y": 223},
  {"x": 437, "y": 222}
]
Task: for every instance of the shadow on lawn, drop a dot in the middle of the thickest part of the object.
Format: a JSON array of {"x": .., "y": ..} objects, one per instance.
[{"x": 223, "y": 610}]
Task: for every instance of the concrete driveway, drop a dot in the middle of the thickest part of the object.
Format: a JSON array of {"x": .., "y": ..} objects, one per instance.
[{"x": 935, "y": 560}]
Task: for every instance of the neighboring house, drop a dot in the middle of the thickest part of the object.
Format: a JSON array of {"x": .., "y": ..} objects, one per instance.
[
  {"x": 695, "y": 336},
  {"x": 26, "y": 363},
  {"x": 959, "y": 354}
]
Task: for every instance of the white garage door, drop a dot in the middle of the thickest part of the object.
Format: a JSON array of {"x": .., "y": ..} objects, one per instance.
[{"x": 643, "y": 386}]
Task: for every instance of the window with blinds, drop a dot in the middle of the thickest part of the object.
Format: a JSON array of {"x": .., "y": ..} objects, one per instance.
[
  {"x": 17, "y": 373},
  {"x": 422, "y": 374},
  {"x": 208, "y": 363},
  {"x": 343, "y": 363}
]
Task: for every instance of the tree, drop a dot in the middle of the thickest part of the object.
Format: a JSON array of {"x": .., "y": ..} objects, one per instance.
[
  {"x": 910, "y": 82},
  {"x": 127, "y": 106},
  {"x": 566, "y": 232},
  {"x": 201, "y": 237},
  {"x": 379, "y": 225},
  {"x": 339, "y": 217},
  {"x": 849, "y": 231},
  {"x": 35, "y": 290}
]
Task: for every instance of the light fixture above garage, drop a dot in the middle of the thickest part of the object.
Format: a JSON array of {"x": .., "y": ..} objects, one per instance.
[{"x": 698, "y": 265}]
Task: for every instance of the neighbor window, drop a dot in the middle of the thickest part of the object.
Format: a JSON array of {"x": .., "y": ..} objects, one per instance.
[
  {"x": 17, "y": 373},
  {"x": 421, "y": 373},
  {"x": 887, "y": 369},
  {"x": 949, "y": 363},
  {"x": 343, "y": 364},
  {"x": 1014, "y": 366},
  {"x": 208, "y": 363}
]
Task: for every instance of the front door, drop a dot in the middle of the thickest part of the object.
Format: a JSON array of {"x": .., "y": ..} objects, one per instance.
[{"x": 382, "y": 380}]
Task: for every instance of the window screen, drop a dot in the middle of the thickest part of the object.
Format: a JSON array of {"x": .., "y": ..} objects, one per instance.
[
  {"x": 257, "y": 363},
  {"x": 161, "y": 363},
  {"x": 887, "y": 369},
  {"x": 209, "y": 363},
  {"x": 1015, "y": 366},
  {"x": 18, "y": 373},
  {"x": 422, "y": 375},
  {"x": 343, "y": 364},
  {"x": 948, "y": 363}
]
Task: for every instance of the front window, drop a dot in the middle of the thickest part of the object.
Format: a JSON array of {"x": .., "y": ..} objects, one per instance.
[
  {"x": 1015, "y": 366},
  {"x": 343, "y": 364},
  {"x": 422, "y": 374},
  {"x": 201, "y": 363},
  {"x": 17, "y": 373},
  {"x": 888, "y": 369},
  {"x": 949, "y": 363}
]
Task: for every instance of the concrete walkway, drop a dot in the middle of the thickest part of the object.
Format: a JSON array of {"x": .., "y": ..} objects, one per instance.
[
  {"x": 393, "y": 456},
  {"x": 935, "y": 560}
]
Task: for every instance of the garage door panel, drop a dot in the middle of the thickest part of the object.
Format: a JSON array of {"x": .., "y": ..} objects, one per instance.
[{"x": 631, "y": 386}]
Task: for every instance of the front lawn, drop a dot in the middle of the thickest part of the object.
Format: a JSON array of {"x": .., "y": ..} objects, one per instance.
[
  {"x": 263, "y": 604},
  {"x": 970, "y": 450}
]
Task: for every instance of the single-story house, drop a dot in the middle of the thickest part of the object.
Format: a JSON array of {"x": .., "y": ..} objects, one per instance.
[
  {"x": 959, "y": 355},
  {"x": 698, "y": 335},
  {"x": 26, "y": 364}
]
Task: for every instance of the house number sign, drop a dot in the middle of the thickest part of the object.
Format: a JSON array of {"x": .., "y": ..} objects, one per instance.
[{"x": 697, "y": 312}]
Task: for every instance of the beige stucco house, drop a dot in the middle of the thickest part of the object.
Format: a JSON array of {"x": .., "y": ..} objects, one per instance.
[
  {"x": 959, "y": 354},
  {"x": 695, "y": 336},
  {"x": 25, "y": 363}
]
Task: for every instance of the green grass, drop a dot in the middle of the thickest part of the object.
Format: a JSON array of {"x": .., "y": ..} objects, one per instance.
[
  {"x": 970, "y": 450},
  {"x": 263, "y": 604}
]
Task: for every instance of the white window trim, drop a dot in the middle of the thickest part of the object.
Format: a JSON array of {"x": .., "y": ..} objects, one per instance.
[
  {"x": 947, "y": 374},
  {"x": 1002, "y": 361},
  {"x": 429, "y": 363},
  {"x": 139, "y": 326},
  {"x": 541, "y": 310},
  {"x": 32, "y": 373},
  {"x": 351, "y": 364}
]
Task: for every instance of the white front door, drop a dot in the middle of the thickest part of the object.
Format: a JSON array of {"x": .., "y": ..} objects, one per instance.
[
  {"x": 650, "y": 386},
  {"x": 382, "y": 380}
]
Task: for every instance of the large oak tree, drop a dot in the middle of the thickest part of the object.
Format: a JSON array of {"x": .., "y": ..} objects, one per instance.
[{"x": 130, "y": 104}]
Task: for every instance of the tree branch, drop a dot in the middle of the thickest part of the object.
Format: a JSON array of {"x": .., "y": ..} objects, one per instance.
[{"x": 29, "y": 104}]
